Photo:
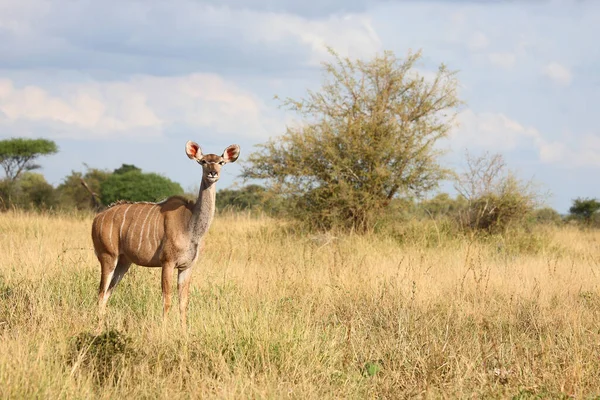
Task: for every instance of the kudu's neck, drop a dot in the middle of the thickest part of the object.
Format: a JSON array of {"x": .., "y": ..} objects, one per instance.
[{"x": 203, "y": 212}]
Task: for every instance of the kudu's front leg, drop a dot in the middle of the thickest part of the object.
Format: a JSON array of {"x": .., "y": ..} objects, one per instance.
[
  {"x": 183, "y": 288},
  {"x": 166, "y": 283}
]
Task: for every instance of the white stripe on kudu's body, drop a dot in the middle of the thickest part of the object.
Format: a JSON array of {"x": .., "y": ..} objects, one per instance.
[
  {"x": 155, "y": 227},
  {"x": 169, "y": 239},
  {"x": 123, "y": 222},
  {"x": 112, "y": 220},
  {"x": 142, "y": 234}
]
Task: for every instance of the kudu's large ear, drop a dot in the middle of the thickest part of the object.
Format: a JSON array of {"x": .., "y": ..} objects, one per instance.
[
  {"x": 231, "y": 153},
  {"x": 193, "y": 150}
]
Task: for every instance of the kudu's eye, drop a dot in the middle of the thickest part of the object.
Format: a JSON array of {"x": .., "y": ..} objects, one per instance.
[
  {"x": 221, "y": 162},
  {"x": 203, "y": 162}
]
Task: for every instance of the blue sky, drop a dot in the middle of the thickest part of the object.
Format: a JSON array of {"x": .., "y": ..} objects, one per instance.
[{"x": 129, "y": 81}]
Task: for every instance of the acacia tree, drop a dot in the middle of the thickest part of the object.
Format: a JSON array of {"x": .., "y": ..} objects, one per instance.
[
  {"x": 17, "y": 155},
  {"x": 585, "y": 209},
  {"x": 366, "y": 136}
]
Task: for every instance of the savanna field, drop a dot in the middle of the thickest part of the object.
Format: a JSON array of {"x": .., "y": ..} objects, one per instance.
[{"x": 277, "y": 313}]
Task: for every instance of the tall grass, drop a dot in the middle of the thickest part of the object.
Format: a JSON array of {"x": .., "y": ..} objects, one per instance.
[{"x": 275, "y": 313}]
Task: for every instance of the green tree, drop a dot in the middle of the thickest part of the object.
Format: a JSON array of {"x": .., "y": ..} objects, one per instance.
[
  {"x": 18, "y": 155},
  {"x": 34, "y": 192},
  {"x": 72, "y": 194},
  {"x": 135, "y": 185},
  {"x": 126, "y": 168},
  {"x": 548, "y": 216},
  {"x": 443, "y": 205},
  {"x": 585, "y": 209},
  {"x": 366, "y": 136},
  {"x": 250, "y": 197},
  {"x": 247, "y": 197}
]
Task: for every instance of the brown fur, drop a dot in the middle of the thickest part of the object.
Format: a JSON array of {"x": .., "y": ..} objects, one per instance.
[
  {"x": 139, "y": 230},
  {"x": 169, "y": 234}
]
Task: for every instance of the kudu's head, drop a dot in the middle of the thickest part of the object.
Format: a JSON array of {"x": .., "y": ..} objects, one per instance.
[{"x": 211, "y": 163}]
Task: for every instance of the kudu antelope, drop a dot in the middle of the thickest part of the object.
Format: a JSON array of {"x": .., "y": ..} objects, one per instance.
[{"x": 168, "y": 234}]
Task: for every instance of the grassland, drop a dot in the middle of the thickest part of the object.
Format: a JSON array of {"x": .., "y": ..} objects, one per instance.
[{"x": 275, "y": 313}]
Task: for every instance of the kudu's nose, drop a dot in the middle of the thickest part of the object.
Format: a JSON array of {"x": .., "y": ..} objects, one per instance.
[{"x": 212, "y": 174}]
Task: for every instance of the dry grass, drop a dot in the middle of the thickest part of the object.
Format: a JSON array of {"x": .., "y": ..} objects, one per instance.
[{"x": 277, "y": 314}]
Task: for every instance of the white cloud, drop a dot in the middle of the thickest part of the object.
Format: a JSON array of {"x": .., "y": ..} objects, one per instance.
[
  {"x": 580, "y": 153},
  {"x": 478, "y": 41},
  {"x": 81, "y": 109},
  {"x": 120, "y": 35},
  {"x": 504, "y": 60},
  {"x": 458, "y": 18},
  {"x": 349, "y": 35},
  {"x": 19, "y": 17},
  {"x": 142, "y": 106},
  {"x": 491, "y": 131},
  {"x": 558, "y": 73},
  {"x": 498, "y": 133}
]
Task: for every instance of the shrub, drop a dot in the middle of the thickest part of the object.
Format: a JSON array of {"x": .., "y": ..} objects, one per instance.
[
  {"x": 547, "y": 216},
  {"x": 496, "y": 198},
  {"x": 250, "y": 197},
  {"x": 102, "y": 355},
  {"x": 442, "y": 205},
  {"x": 72, "y": 194},
  {"x": 30, "y": 191},
  {"x": 34, "y": 192}
]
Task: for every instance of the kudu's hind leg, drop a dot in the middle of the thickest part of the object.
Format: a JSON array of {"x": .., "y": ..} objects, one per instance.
[
  {"x": 107, "y": 269},
  {"x": 111, "y": 274},
  {"x": 121, "y": 269}
]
